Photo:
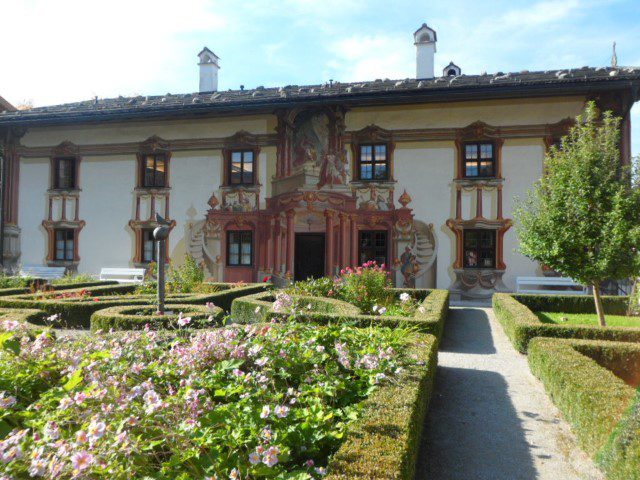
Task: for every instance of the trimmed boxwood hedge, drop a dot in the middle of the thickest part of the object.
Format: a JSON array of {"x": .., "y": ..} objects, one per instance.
[
  {"x": 521, "y": 324},
  {"x": 76, "y": 313},
  {"x": 327, "y": 310},
  {"x": 383, "y": 443},
  {"x": 613, "y": 305},
  {"x": 135, "y": 317},
  {"x": 30, "y": 317},
  {"x": 593, "y": 399},
  {"x": 67, "y": 286}
]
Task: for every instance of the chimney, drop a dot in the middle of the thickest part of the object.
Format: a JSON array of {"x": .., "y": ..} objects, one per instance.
[
  {"x": 208, "y": 70},
  {"x": 425, "y": 39}
]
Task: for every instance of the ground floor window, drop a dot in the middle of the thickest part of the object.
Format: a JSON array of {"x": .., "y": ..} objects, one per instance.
[
  {"x": 148, "y": 252},
  {"x": 372, "y": 246},
  {"x": 239, "y": 248},
  {"x": 479, "y": 248},
  {"x": 64, "y": 238}
]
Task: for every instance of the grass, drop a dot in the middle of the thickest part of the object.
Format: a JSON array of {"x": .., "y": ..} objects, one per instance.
[{"x": 560, "y": 318}]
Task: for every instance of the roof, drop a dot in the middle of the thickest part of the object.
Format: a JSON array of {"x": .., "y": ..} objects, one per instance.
[
  {"x": 6, "y": 106},
  {"x": 578, "y": 81}
]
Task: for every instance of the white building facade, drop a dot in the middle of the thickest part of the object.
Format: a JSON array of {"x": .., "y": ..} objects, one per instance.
[{"x": 418, "y": 174}]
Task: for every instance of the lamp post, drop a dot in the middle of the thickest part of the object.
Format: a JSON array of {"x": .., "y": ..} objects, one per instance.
[{"x": 160, "y": 234}]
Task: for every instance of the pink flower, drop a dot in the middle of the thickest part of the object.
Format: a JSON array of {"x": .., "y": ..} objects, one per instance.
[
  {"x": 81, "y": 461},
  {"x": 96, "y": 430},
  {"x": 266, "y": 411},
  {"x": 7, "y": 402},
  {"x": 52, "y": 431},
  {"x": 152, "y": 401},
  {"x": 234, "y": 475},
  {"x": 182, "y": 321},
  {"x": 81, "y": 436},
  {"x": 270, "y": 457},
  {"x": 281, "y": 411},
  {"x": 254, "y": 458},
  {"x": 10, "y": 325},
  {"x": 79, "y": 398}
]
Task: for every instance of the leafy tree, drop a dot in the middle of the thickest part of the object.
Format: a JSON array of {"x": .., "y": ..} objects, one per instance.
[{"x": 582, "y": 218}]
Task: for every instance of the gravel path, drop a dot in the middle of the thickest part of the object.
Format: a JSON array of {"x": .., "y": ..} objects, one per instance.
[{"x": 490, "y": 418}]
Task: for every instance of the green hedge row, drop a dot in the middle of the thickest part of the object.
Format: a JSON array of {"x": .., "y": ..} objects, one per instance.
[
  {"x": 383, "y": 443},
  {"x": 521, "y": 324},
  {"x": 29, "y": 317},
  {"x": 136, "y": 317},
  {"x": 76, "y": 313},
  {"x": 597, "y": 403},
  {"x": 613, "y": 305},
  {"x": 67, "y": 286},
  {"x": 258, "y": 308}
]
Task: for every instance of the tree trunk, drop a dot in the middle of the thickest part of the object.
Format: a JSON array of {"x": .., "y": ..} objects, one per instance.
[{"x": 598, "y": 302}]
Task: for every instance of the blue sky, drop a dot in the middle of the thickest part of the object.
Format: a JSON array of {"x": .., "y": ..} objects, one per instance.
[{"x": 68, "y": 50}]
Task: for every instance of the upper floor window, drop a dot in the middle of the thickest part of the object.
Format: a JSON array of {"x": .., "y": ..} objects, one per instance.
[
  {"x": 64, "y": 244},
  {"x": 373, "y": 162},
  {"x": 148, "y": 246},
  {"x": 479, "y": 248},
  {"x": 241, "y": 168},
  {"x": 153, "y": 170},
  {"x": 64, "y": 173},
  {"x": 479, "y": 160},
  {"x": 239, "y": 248}
]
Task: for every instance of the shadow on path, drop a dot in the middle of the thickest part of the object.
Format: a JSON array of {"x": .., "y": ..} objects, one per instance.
[
  {"x": 473, "y": 431},
  {"x": 467, "y": 331}
]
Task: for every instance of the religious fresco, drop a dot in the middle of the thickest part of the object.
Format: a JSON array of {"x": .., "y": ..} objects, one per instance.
[{"x": 310, "y": 139}]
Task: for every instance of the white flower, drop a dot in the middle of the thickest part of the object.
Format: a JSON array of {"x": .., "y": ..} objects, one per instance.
[
  {"x": 404, "y": 297},
  {"x": 96, "y": 430},
  {"x": 152, "y": 400},
  {"x": 421, "y": 309},
  {"x": 234, "y": 475},
  {"x": 10, "y": 325},
  {"x": 254, "y": 458},
  {"x": 81, "y": 461},
  {"x": 382, "y": 311},
  {"x": 257, "y": 310},
  {"x": 375, "y": 308},
  {"x": 266, "y": 411},
  {"x": 182, "y": 321},
  {"x": 281, "y": 411},
  {"x": 7, "y": 402}
]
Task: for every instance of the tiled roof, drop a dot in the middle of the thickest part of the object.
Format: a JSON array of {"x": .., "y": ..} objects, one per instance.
[
  {"x": 6, "y": 106},
  {"x": 391, "y": 91}
]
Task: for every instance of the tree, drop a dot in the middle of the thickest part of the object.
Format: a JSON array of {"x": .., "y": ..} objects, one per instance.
[{"x": 582, "y": 218}]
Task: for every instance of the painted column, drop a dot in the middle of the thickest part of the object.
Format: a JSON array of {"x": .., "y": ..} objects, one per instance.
[
  {"x": 458, "y": 202},
  {"x": 354, "y": 241},
  {"x": 479, "y": 202},
  {"x": 344, "y": 254},
  {"x": 277, "y": 267},
  {"x": 328, "y": 214},
  {"x": 499, "y": 189},
  {"x": 290, "y": 242}
]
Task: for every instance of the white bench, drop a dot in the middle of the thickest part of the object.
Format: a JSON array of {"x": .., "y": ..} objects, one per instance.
[
  {"x": 568, "y": 283},
  {"x": 41, "y": 272},
  {"x": 123, "y": 275}
]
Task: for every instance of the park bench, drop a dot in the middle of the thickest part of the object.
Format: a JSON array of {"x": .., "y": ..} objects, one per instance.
[
  {"x": 568, "y": 286},
  {"x": 123, "y": 275},
  {"x": 40, "y": 272}
]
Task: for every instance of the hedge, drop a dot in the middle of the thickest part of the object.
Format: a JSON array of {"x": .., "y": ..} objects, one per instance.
[
  {"x": 76, "y": 313},
  {"x": 383, "y": 443},
  {"x": 521, "y": 324},
  {"x": 137, "y": 317},
  {"x": 593, "y": 399},
  {"x": 67, "y": 286},
  {"x": 435, "y": 304},
  {"x": 29, "y": 317},
  {"x": 613, "y": 305}
]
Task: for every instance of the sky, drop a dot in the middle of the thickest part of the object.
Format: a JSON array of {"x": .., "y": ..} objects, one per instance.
[{"x": 57, "y": 51}]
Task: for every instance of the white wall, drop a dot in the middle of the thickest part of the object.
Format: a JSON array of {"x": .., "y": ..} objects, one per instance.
[
  {"x": 106, "y": 205},
  {"x": 426, "y": 173},
  {"x": 32, "y": 209}
]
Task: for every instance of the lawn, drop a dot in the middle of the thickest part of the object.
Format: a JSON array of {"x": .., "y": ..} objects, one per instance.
[{"x": 560, "y": 318}]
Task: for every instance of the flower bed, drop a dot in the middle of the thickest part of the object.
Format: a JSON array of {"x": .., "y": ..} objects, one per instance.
[
  {"x": 579, "y": 377},
  {"x": 137, "y": 317},
  {"x": 260, "y": 401},
  {"x": 521, "y": 324},
  {"x": 75, "y": 307},
  {"x": 428, "y": 317}
]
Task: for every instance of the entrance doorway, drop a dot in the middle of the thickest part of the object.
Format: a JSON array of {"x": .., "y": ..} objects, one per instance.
[{"x": 309, "y": 256}]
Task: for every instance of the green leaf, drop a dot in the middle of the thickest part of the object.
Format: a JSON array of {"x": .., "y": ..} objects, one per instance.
[{"x": 74, "y": 380}]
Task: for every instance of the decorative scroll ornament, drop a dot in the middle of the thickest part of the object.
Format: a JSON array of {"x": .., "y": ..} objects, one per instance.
[{"x": 404, "y": 199}]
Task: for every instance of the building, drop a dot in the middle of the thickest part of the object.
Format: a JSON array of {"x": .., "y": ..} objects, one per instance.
[{"x": 419, "y": 173}]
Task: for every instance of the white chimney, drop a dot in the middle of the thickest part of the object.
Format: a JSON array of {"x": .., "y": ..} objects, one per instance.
[
  {"x": 208, "y": 70},
  {"x": 425, "y": 41}
]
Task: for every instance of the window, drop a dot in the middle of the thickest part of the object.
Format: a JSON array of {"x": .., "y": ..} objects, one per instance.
[
  {"x": 479, "y": 248},
  {"x": 64, "y": 247},
  {"x": 373, "y": 163},
  {"x": 241, "y": 167},
  {"x": 479, "y": 159},
  {"x": 373, "y": 246},
  {"x": 153, "y": 171},
  {"x": 149, "y": 248},
  {"x": 64, "y": 174},
  {"x": 239, "y": 248}
]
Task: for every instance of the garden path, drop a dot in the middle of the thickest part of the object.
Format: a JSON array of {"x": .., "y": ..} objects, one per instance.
[{"x": 490, "y": 418}]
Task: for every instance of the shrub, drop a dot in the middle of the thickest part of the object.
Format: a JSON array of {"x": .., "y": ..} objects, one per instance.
[
  {"x": 521, "y": 324},
  {"x": 429, "y": 317},
  {"x": 365, "y": 286},
  {"x": 138, "y": 317},
  {"x": 7, "y": 281},
  {"x": 186, "y": 277},
  {"x": 260, "y": 402},
  {"x": 613, "y": 305},
  {"x": 591, "y": 398},
  {"x": 70, "y": 279}
]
